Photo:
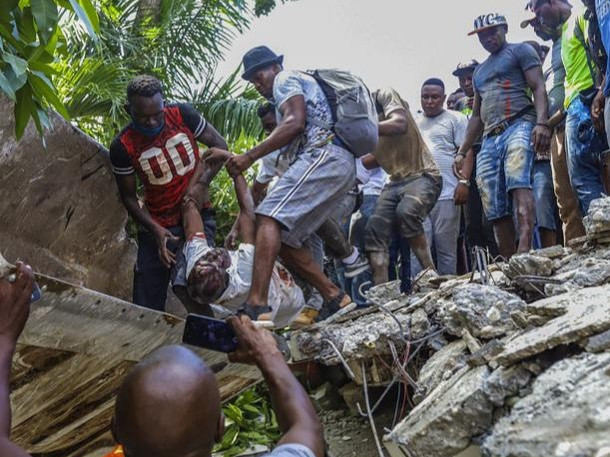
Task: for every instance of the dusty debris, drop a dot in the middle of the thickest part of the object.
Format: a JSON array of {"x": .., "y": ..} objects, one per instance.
[
  {"x": 520, "y": 365},
  {"x": 587, "y": 312},
  {"x": 419, "y": 323},
  {"x": 567, "y": 414},
  {"x": 444, "y": 422},
  {"x": 440, "y": 366},
  {"x": 530, "y": 264},
  {"x": 483, "y": 310}
]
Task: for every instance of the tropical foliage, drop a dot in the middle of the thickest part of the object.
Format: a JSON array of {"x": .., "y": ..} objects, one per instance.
[
  {"x": 249, "y": 420},
  {"x": 29, "y": 41},
  {"x": 178, "y": 42},
  {"x": 75, "y": 56}
]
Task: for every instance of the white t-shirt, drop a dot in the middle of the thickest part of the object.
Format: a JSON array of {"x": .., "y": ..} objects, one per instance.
[
  {"x": 285, "y": 296},
  {"x": 370, "y": 182},
  {"x": 444, "y": 135}
]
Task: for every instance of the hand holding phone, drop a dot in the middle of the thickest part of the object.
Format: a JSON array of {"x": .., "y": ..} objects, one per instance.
[{"x": 209, "y": 333}]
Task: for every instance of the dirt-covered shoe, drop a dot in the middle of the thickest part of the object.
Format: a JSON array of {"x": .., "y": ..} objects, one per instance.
[
  {"x": 360, "y": 265},
  {"x": 307, "y": 317},
  {"x": 330, "y": 307}
]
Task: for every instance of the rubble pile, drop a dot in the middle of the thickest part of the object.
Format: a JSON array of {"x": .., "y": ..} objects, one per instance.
[{"x": 514, "y": 360}]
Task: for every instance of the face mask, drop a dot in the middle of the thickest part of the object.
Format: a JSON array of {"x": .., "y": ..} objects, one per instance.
[{"x": 147, "y": 131}]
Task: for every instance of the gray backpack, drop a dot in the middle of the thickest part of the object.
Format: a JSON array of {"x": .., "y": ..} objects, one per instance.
[{"x": 353, "y": 110}]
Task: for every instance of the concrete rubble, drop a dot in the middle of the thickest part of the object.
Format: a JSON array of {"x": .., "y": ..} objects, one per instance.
[{"x": 516, "y": 367}]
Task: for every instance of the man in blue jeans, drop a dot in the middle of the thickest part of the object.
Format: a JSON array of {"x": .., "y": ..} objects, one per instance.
[
  {"x": 600, "y": 112},
  {"x": 585, "y": 144},
  {"x": 511, "y": 123}
]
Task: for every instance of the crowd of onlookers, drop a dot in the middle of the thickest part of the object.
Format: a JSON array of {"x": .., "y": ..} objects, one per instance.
[{"x": 509, "y": 161}]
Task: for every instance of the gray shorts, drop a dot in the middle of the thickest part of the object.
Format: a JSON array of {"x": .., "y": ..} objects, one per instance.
[
  {"x": 309, "y": 192},
  {"x": 404, "y": 205}
]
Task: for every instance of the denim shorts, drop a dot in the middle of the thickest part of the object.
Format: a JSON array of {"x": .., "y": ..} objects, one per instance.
[
  {"x": 544, "y": 196},
  {"x": 504, "y": 163},
  {"x": 585, "y": 150}
]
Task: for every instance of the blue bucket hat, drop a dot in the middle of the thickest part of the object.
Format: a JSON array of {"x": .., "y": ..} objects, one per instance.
[{"x": 257, "y": 58}]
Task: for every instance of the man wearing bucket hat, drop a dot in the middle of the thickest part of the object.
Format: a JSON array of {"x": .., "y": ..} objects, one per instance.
[
  {"x": 320, "y": 175},
  {"x": 514, "y": 127}
]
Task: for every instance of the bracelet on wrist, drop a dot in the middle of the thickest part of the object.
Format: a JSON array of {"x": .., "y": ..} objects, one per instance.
[
  {"x": 466, "y": 182},
  {"x": 544, "y": 124}
]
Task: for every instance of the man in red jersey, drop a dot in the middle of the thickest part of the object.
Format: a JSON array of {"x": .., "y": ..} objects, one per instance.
[{"x": 160, "y": 145}]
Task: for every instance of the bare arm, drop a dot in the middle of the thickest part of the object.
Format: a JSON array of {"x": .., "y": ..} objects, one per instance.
[
  {"x": 191, "y": 217},
  {"x": 127, "y": 191},
  {"x": 295, "y": 413},
  {"x": 14, "y": 311},
  {"x": 475, "y": 127},
  {"x": 394, "y": 125},
  {"x": 597, "y": 108},
  {"x": 246, "y": 221},
  {"x": 541, "y": 135},
  {"x": 292, "y": 125},
  {"x": 259, "y": 190},
  {"x": 199, "y": 186},
  {"x": 369, "y": 162}
]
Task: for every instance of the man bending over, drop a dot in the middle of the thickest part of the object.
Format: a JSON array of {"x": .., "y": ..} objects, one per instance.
[{"x": 224, "y": 277}]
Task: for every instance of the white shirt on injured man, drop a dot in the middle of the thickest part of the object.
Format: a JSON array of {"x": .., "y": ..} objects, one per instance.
[{"x": 285, "y": 296}]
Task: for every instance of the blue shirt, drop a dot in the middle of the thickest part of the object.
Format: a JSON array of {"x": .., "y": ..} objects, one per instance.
[
  {"x": 501, "y": 84},
  {"x": 602, "y": 8}
]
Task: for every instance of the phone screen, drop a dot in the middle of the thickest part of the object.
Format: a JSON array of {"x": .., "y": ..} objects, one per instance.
[{"x": 209, "y": 333}]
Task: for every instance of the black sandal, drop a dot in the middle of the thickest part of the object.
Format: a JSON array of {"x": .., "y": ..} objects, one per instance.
[
  {"x": 253, "y": 312},
  {"x": 330, "y": 307}
]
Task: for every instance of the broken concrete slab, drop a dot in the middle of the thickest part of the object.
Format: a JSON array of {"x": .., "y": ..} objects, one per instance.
[
  {"x": 444, "y": 423},
  {"x": 419, "y": 324},
  {"x": 587, "y": 312},
  {"x": 553, "y": 252},
  {"x": 599, "y": 343},
  {"x": 567, "y": 413},
  {"x": 597, "y": 220},
  {"x": 358, "y": 340},
  {"x": 384, "y": 293},
  {"x": 529, "y": 265},
  {"x": 60, "y": 209},
  {"x": 506, "y": 382},
  {"x": 483, "y": 310},
  {"x": 587, "y": 272},
  {"x": 439, "y": 367}
]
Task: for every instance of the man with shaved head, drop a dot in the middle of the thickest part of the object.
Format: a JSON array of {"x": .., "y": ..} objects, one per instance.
[
  {"x": 169, "y": 403},
  {"x": 185, "y": 418}
]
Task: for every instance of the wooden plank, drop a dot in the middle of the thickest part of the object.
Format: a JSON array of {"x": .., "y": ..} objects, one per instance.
[{"x": 73, "y": 354}]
